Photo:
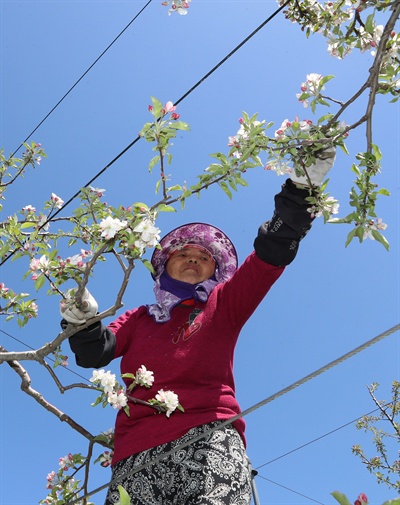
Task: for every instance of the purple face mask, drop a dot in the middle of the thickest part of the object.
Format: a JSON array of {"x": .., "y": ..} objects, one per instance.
[{"x": 170, "y": 292}]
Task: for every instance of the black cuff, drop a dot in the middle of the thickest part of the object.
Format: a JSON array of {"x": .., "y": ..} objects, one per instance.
[
  {"x": 278, "y": 240},
  {"x": 93, "y": 346}
]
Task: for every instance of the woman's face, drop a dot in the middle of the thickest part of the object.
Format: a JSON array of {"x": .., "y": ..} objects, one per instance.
[{"x": 191, "y": 264}]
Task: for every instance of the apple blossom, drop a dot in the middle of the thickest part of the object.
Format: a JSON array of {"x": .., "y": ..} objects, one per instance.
[
  {"x": 111, "y": 226},
  {"x": 29, "y": 209},
  {"x": 361, "y": 500},
  {"x": 3, "y": 289},
  {"x": 144, "y": 377},
  {"x": 41, "y": 264},
  {"x": 42, "y": 223},
  {"x": 149, "y": 234},
  {"x": 179, "y": 6},
  {"x": 57, "y": 200},
  {"x": 169, "y": 107},
  {"x": 66, "y": 461},
  {"x": 106, "y": 379},
  {"x": 98, "y": 191},
  {"x": 280, "y": 167},
  {"x": 373, "y": 225},
  {"x": 105, "y": 459},
  {"x": 117, "y": 399},
  {"x": 169, "y": 400}
]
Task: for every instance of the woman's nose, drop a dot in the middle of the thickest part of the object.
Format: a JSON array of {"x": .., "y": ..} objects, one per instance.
[{"x": 192, "y": 260}]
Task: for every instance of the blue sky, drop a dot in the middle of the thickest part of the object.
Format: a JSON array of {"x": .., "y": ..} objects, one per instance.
[{"x": 329, "y": 301}]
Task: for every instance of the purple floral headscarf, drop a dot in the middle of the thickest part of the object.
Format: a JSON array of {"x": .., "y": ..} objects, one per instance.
[{"x": 169, "y": 292}]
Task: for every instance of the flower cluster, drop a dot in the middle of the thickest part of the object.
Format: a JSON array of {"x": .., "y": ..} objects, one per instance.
[
  {"x": 17, "y": 305},
  {"x": 110, "y": 226},
  {"x": 289, "y": 128},
  {"x": 33, "y": 154},
  {"x": 326, "y": 207},
  {"x": 62, "y": 487},
  {"x": 167, "y": 399},
  {"x": 179, "y": 6},
  {"x": 239, "y": 140},
  {"x": 61, "y": 269},
  {"x": 112, "y": 392},
  {"x": 149, "y": 235},
  {"x": 372, "y": 226},
  {"x": 59, "y": 358}
]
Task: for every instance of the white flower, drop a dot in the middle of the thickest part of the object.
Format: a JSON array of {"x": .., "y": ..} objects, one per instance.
[
  {"x": 149, "y": 234},
  {"x": 377, "y": 225},
  {"x": 380, "y": 225},
  {"x": 42, "y": 221},
  {"x": 99, "y": 191},
  {"x": 118, "y": 400},
  {"x": 111, "y": 226},
  {"x": 39, "y": 264},
  {"x": 28, "y": 208},
  {"x": 144, "y": 377},
  {"x": 105, "y": 379},
  {"x": 66, "y": 461},
  {"x": 169, "y": 400},
  {"x": 280, "y": 167},
  {"x": 57, "y": 200}
]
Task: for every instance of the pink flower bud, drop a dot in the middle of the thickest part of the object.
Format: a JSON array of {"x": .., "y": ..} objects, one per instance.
[{"x": 150, "y": 108}]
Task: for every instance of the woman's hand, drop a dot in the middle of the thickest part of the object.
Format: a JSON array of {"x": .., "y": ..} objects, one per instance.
[{"x": 74, "y": 314}]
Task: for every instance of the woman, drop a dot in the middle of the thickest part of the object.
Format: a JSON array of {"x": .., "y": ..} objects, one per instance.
[{"x": 188, "y": 339}]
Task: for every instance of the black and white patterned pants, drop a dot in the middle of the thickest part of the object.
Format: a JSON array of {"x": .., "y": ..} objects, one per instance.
[{"x": 212, "y": 471}]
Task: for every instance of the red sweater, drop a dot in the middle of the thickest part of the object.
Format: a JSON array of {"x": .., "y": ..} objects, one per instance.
[{"x": 194, "y": 361}]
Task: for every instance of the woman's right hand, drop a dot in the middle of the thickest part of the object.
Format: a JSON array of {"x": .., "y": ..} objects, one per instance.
[{"x": 74, "y": 314}]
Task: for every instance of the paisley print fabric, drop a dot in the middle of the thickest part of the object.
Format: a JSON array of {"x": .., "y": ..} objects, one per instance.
[{"x": 211, "y": 471}]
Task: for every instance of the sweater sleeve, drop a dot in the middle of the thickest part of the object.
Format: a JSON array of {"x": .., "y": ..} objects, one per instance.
[
  {"x": 93, "y": 346},
  {"x": 278, "y": 240}
]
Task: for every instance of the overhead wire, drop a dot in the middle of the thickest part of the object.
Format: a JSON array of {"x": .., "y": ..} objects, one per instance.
[
  {"x": 48, "y": 357},
  {"x": 257, "y": 468},
  {"x": 131, "y": 144},
  {"x": 289, "y": 489},
  {"x": 244, "y": 413},
  {"x": 83, "y": 75}
]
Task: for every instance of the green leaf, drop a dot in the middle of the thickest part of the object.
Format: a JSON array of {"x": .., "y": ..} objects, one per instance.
[
  {"x": 166, "y": 208},
  {"x": 384, "y": 192},
  {"x": 27, "y": 224},
  {"x": 39, "y": 282},
  {"x": 226, "y": 190},
  {"x": 177, "y": 187},
  {"x": 123, "y": 497},
  {"x": 395, "y": 501},
  {"x": 341, "y": 498},
  {"x": 128, "y": 376},
  {"x": 153, "y": 162},
  {"x": 148, "y": 265},
  {"x": 377, "y": 152},
  {"x": 180, "y": 125},
  {"x": 369, "y": 24},
  {"x": 350, "y": 236},
  {"x": 157, "y": 106},
  {"x": 380, "y": 238}
]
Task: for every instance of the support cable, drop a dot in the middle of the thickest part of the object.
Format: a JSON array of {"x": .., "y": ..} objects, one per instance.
[
  {"x": 116, "y": 158},
  {"x": 244, "y": 413},
  {"x": 82, "y": 76}
]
